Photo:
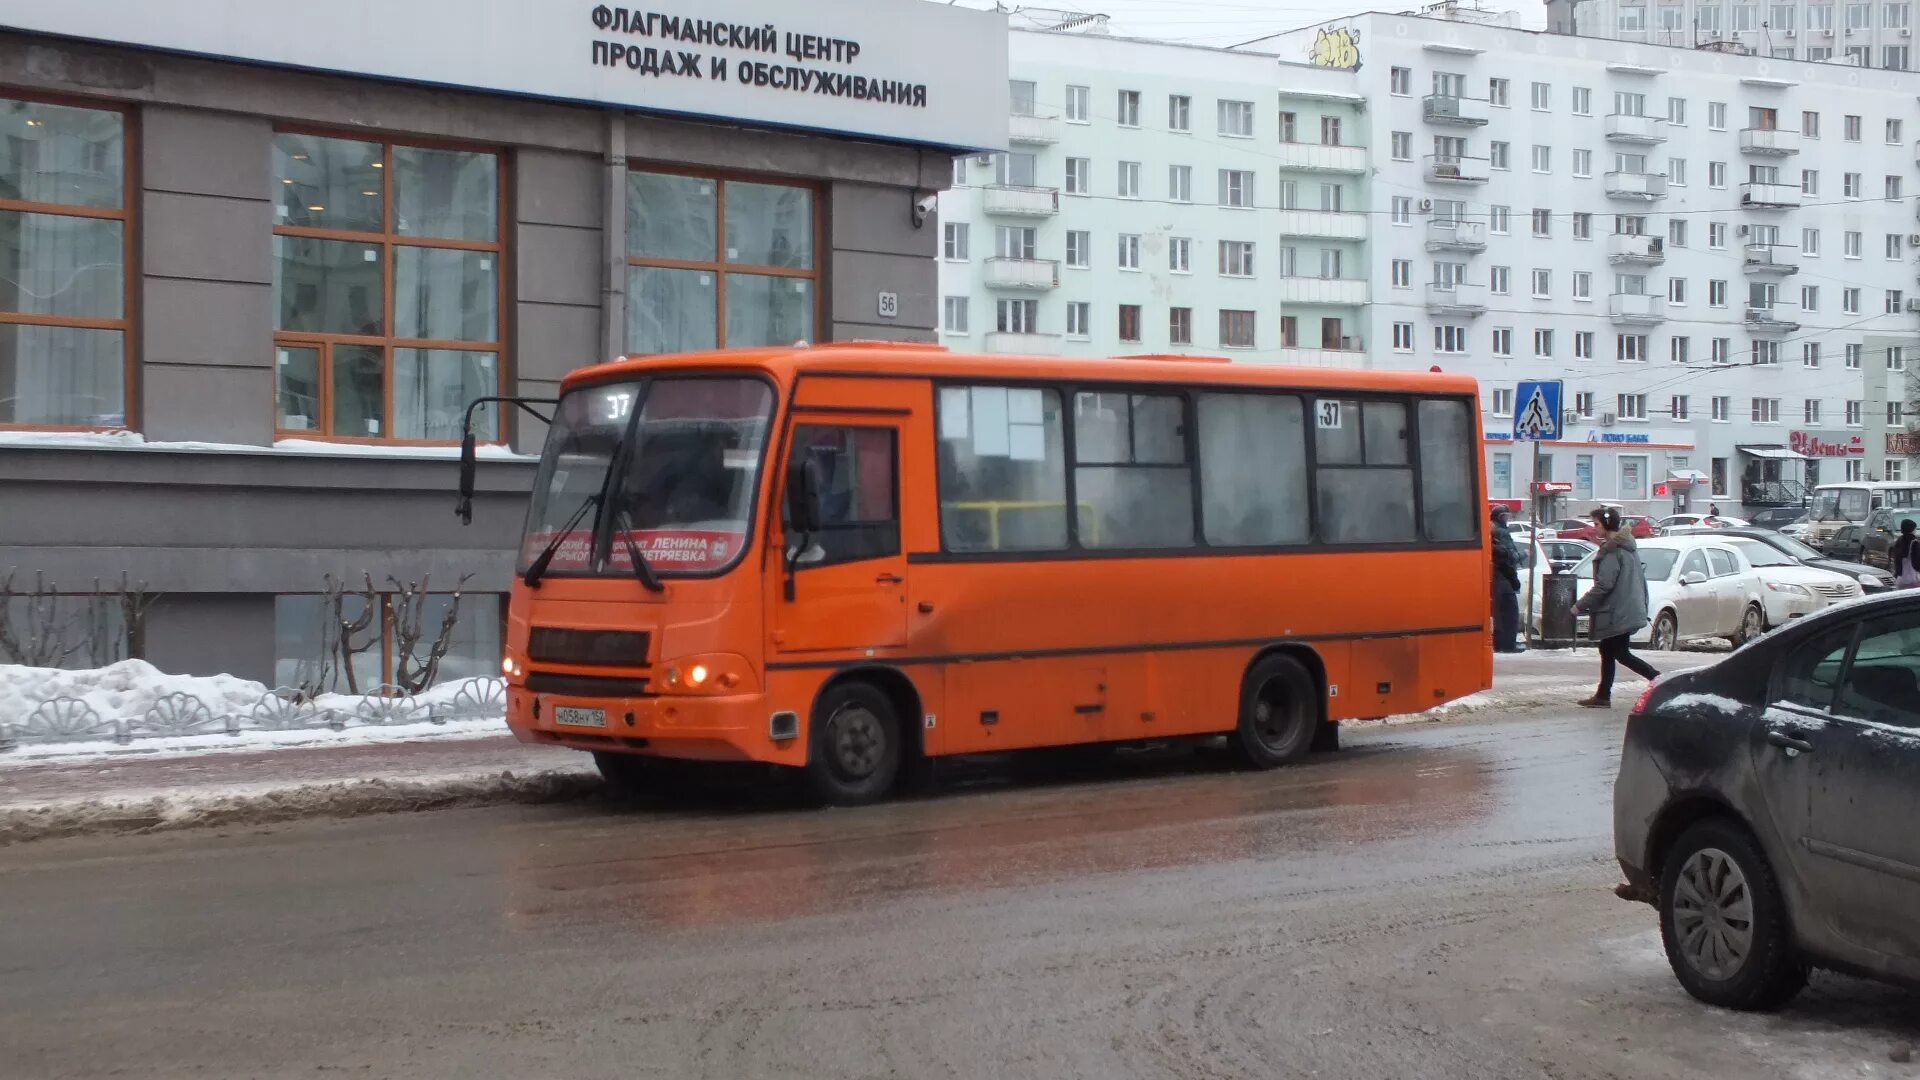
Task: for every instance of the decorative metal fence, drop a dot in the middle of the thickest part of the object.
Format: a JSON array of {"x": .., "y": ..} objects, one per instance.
[{"x": 177, "y": 715}]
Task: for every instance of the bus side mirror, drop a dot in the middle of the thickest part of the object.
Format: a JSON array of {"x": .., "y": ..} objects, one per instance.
[
  {"x": 803, "y": 495},
  {"x": 468, "y": 462}
]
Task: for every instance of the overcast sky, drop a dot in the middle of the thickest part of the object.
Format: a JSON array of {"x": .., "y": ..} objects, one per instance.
[{"x": 1230, "y": 22}]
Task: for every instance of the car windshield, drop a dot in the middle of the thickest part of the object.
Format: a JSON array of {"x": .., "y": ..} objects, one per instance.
[
  {"x": 1792, "y": 547},
  {"x": 1760, "y": 554},
  {"x": 686, "y": 465}
]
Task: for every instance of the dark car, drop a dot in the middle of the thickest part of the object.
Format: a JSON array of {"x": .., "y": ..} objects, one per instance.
[
  {"x": 1870, "y": 579},
  {"x": 1766, "y": 806},
  {"x": 1778, "y": 517},
  {"x": 1846, "y": 543},
  {"x": 1881, "y": 530}
]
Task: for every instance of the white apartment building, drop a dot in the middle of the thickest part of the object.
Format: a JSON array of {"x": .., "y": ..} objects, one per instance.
[
  {"x": 1715, "y": 253},
  {"x": 1862, "y": 33},
  {"x": 1163, "y": 198}
]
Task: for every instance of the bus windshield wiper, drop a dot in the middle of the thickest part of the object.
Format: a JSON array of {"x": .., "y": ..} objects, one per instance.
[
  {"x": 538, "y": 567},
  {"x": 641, "y": 568}
]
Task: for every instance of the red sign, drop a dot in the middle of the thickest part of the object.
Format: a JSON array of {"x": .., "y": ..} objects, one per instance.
[
  {"x": 1661, "y": 491},
  {"x": 1806, "y": 442},
  {"x": 664, "y": 549},
  {"x": 1553, "y": 487}
]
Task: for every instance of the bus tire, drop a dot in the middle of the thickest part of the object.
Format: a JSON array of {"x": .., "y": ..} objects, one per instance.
[
  {"x": 1279, "y": 713},
  {"x": 629, "y": 777},
  {"x": 1326, "y": 737},
  {"x": 853, "y": 747}
]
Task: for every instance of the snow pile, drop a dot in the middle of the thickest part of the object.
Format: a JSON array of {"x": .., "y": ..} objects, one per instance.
[
  {"x": 1725, "y": 706},
  {"x": 126, "y": 689},
  {"x": 132, "y": 440}
]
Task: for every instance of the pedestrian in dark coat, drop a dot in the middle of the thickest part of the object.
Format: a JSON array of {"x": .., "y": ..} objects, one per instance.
[
  {"x": 1906, "y": 556},
  {"x": 1616, "y": 606},
  {"x": 1506, "y": 585}
]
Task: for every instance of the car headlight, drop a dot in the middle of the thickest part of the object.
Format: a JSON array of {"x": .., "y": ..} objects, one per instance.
[
  {"x": 1873, "y": 581},
  {"x": 1790, "y": 590}
]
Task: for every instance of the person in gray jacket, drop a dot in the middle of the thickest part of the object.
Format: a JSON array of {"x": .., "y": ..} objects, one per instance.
[{"x": 1616, "y": 606}]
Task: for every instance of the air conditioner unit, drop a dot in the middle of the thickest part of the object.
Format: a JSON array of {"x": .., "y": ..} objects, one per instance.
[
  {"x": 1906, "y": 31},
  {"x": 1790, "y": 33},
  {"x": 1608, "y": 419},
  {"x": 1348, "y": 344},
  {"x": 1426, "y": 204},
  {"x": 1828, "y": 32},
  {"x": 1743, "y": 230},
  {"x": 1914, "y": 239},
  {"x": 1913, "y": 306}
]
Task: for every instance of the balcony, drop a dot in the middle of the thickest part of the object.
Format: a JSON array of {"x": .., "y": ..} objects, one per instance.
[
  {"x": 1636, "y": 185},
  {"x": 1350, "y": 354},
  {"x": 1645, "y": 130},
  {"x": 1455, "y": 111},
  {"x": 1769, "y": 196},
  {"x": 1023, "y": 344},
  {"x": 1769, "y": 142},
  {"x": 1324, "y": 224},
  {"x": 1456, "y": 299},
  {"x": 1772, "y": 260},
  {"x": 1007, "y": 200},
  {"x": 1319, "y": 157},
  {"x": 1314, "y": 290},
  {"x": 1773, "y": 493},
  {"x": 1765, "y": 319},
  {"x": 1457, "y": 169},
  {"x": 1637, "y": 309},
  {"x": 1446, "y": 234},
  {"x": 1635, "y": 248},
  {"x": 1033, "y": 130},
  {"x": 1023, "y": 273}
]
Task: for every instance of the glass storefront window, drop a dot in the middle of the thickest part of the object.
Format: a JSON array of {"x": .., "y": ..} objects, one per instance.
[
  {"x": 65, "y": 237},
  {"x": 718, "y": 263},
  {"x": 303, "y": 635},
  {"x": 387, "y": 283}
]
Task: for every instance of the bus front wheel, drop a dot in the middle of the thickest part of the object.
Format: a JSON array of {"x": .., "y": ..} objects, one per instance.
[
  {"x": 1279, "y": 713},
  {"x": 853, "y": 751}
]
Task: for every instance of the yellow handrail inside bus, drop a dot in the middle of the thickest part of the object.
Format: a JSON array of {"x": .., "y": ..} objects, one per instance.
[{"x": 992, "y": 509}]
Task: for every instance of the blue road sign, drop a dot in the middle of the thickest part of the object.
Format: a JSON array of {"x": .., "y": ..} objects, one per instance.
[{"x": 1536, "y": 412}]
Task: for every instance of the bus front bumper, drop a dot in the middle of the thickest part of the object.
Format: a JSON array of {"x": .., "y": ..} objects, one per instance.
[{"x": 714, "y": 727}]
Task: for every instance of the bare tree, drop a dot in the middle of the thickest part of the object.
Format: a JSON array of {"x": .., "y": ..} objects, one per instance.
[
  {"x": 411, "y": 671},
  {"x": 349, "y": 637},
  {"x": 41, "y": 627}
]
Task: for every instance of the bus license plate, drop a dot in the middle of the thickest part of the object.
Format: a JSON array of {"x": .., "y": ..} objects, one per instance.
[{"x": 580, "y": 717}]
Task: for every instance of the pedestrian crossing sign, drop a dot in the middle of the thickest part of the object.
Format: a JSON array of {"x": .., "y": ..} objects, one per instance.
[{"x": 1537, "y": 414}]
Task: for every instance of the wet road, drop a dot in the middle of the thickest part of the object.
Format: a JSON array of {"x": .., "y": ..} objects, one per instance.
[{"x": 1431, "y": 903}]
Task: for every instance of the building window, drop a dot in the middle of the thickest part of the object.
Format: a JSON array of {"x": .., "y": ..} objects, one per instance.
[
  {"x": 1811, "y": 411},
  {"x": 1809, "y": 297},
  {"x": 953, "y": 314},
  {"x": 1680, "y": 406},
  {"x": 1766, "y": 353},
  {"x": 1542, "y": 284},
  {"x": 1543, "y": 223},
  {"x": 1400, "y": 82},
  {"x": 1893, "y": 301},
  {"x": 1079, "y": 244},
  {"x": 1717, "y": 115},
  {"x": 1449, "y": 339},
  {"x": 1680, "y": 349},
  {"x": 1809, "y": 181},
  {"x": 1542, "y": 159},
  {"x": 1180, "y": 254},
  {"x": 1077, "y": 107},
  {"x": 1129, "y": 251},
  {"x": 1716, "y": 174},
  {"x": 1236, "y": 329},
  {"x": 1851, "y": 126},
  {"x": 953, "y": 241},
  {"x": 1632, "y": 406},
  {"x": 1720, "y": 351},
  {"x": 1850, "y": 301},
  {"x": 1180, "y": 183},
  {"x": 387, "y": 285},
  {"x": 1810, "y": 243},
  {"x": 1717, "y": 235},
  {"x": 1583, "y": 163},
  {"x": 1289, "y": 127},
  {"x": 1236, "y": 258},
  {"x": 1236, "y": 119},
  {"x": 1896, "y": 358},
  {"x": 1499, "y": 219},
  {"x": 1893, "y": 132},
  {"x": 1853, "y": 414},
  {"x": 1129, "y": 322},
  {"x": 1180, "y": 113},
  {"x": 1129, "y": 108},
  {"x": 1850, "y": 185},
  {"x": 1810, "y": 354},
  {"x": 1180, "y": 325},
  {"x": 1542, "y": 97},
  {"x": 1016, "y": 316},
  {"x": 1499, "y": 93},
  {"x": 1583, "y": 404},
  {"x": 1129, "y": 180},
  {"x": 1236, "y": 188},
  {"x": 1677, "y": 232},
  {"x": 1853, "y": 356},
  {"x": 1582, "y": 101},
  {"x": 1582, "y": 225},
  {"x": 1716, "y": 293},
  {"x": 1677, "y": 291},
  {"x": 303, "y": 624},
  {"x": 1631, "y": 348},
  {"x": 1893, "y": 246},
  {"x": 1403, "y": 210},
  {"x": 1500, "y": 278},
  {"x": 1079, "y": 176},
  {"x": 1403, "y": 273},
  {"x": 1722, "y": 409},
  {"x": 1079, "y": 319},
  {"x": 1330, "y": 131},
  {"x": 1403, "y": 149},
  {"x": 1503, "y": 401},
  {"x": 1403, "y": 337},
  {"x": 67, "y": 242},
  {"x": 1502, "y": 346},
  {"x": 1583, "y": 345},
  {"x": 1543, "y": 344},
  {"x": 1766, "y": 410},
  {"x": 1897, "y": 415}
]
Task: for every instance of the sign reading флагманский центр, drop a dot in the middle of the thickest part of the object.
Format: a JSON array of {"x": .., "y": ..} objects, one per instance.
[{"x": 901, "y": 70}]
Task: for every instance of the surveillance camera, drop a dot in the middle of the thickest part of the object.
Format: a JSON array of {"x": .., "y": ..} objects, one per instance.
[{"x": 927, "y": 204}]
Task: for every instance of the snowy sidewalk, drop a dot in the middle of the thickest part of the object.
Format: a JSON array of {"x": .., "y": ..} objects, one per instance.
[{"x": 258, "y": 782}]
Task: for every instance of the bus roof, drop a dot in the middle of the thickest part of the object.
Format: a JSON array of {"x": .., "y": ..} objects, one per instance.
[
  {"x": 1869, "y": 485},
  {"x": 900, "y": 358}
]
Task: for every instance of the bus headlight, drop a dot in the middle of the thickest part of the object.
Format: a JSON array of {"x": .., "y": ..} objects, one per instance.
[{"x": 710, "y": 674}]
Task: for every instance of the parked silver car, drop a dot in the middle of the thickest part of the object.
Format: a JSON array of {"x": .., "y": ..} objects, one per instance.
[{"x": 1769, "y": 807}]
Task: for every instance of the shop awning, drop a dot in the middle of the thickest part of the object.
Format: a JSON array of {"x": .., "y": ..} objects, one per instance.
[
  {"x": 1688, "y": 476},
  {"x": 1778, "y": 453}
]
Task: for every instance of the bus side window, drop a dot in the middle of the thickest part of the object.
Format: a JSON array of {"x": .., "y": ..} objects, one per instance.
[{"x": 860, "y": 516}]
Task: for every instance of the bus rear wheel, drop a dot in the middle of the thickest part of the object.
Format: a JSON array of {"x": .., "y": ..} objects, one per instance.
[
  {"x": 853, "y": 750},
  {"x": 1279, "y": 713}
]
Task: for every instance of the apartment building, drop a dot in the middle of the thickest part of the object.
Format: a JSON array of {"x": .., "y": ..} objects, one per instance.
[
  {"x": 1714, "y": 252},
  {"x": 1860, "y": 33},
  {"x": 1163, "y": 198}
]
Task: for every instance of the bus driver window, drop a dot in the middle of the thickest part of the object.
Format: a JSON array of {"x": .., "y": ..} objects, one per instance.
[{"x": 859, "y": 518}]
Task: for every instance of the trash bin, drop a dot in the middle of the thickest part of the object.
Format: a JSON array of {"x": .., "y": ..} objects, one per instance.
[{"x": 1557, "y": 597}]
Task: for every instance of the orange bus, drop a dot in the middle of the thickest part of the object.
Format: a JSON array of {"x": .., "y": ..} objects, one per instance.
[{"x": 854, "y": 558}]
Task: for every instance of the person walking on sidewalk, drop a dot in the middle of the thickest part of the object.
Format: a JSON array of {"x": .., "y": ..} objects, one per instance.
[
  {"x": 1616, "y": 605},
  {"x": 1906, "y": 557},
  {"x": 1506, "y": 585}
]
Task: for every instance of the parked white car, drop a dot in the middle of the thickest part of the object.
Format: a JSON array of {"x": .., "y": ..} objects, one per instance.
[
  {"x": 1696, "y": 589},
  {"x": 1704, "y": 521},
  {"x": 1523, "y": 529},
  {"x": 1793, "y": 588}
]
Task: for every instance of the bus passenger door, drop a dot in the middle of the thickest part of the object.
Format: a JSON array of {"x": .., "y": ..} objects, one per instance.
[{"x": 844, "y": 586}]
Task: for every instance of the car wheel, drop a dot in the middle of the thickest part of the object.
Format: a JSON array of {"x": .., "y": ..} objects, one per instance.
[
  {"x": 1753, "y": 623},
  {"x": 1666, "y": 633},
  {"x": 1723, "y": 922},
  {"x": 1279, "y": 713},
  {"x": 853, "y": 751}
]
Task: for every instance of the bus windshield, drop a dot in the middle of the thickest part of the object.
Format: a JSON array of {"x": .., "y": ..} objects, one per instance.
[
  {"x": 1841, "y": 504},
  {"x": 677, "y": 459}
]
